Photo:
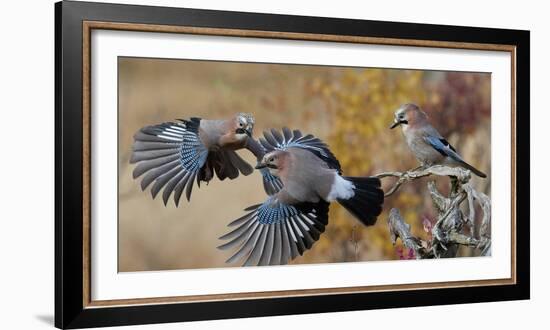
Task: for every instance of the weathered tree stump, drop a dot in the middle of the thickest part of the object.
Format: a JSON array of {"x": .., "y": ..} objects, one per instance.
[{"x": 453, "y": 226}]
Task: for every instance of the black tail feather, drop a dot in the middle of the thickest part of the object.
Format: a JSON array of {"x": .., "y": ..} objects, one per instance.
[
  {"x": 366, "y": 203},
  {"x": 474, "y": 170}
]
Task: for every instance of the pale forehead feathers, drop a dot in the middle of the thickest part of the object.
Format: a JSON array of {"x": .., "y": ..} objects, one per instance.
[
  {"x": 274, "y": 154},
  {"x": 400, "y": 111},
  {"x": 245, "y": 118},
  {"x": 271, "y": 154},
  {"x": 406, "y": 108}
]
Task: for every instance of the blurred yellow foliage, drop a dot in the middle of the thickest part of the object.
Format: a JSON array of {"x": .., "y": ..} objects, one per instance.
[{"x": 360, "y": 104}]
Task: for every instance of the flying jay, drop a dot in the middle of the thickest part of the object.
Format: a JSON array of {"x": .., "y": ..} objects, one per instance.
[
  {"x": 425, "y": 142},
  {"x": 304, "y": 177},
  {"x": 173, "y": 155}
]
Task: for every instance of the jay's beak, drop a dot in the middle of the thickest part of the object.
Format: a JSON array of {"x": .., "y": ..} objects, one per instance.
[
  {"x": 259, "y": 166},
  {"x": 397, "y": 123},
  {"x": 244, "y": 131},
  {"x": 247, "y": 130}
]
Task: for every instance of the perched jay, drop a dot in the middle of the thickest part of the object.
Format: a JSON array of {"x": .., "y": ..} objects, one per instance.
[
  {"x": 173, "y": 155},
  {"x": 427, "y": 145},
  {"x": 291, "y": 220}
]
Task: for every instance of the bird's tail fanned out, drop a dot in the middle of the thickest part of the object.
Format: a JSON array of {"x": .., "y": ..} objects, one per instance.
[
  {"x": 367, "y": 200},
  {"x": 474, "y": 170}
]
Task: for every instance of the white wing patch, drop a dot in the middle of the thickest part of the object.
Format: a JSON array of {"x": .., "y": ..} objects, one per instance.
[
  {"x": 340, "y": 189},
  {"x": 172, "y": 133}
]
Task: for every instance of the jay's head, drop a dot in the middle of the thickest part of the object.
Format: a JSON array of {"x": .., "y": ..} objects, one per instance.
[
  {"x": 408, "y": 115},
  {"x": 274, "y": 161},
  {"x": 243, "y": 125}
]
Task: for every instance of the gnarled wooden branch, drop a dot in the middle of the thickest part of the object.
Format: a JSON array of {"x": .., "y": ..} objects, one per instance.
[
  {"x": 448, "y": 232},
  {"x": 462, "y": 175},
  {"x": 401, "y": 229}
]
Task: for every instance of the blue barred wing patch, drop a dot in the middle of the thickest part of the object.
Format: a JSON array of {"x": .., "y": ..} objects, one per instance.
[
  {"x": 268, "y": 214},
  {"x": 443, "y": 147},
  {"x": 272, "y": 184},
  {"x": 169, "y": 156}
]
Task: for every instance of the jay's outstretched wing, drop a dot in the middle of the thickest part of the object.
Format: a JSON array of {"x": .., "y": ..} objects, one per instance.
[
  {"x": 274, "y": 140},
  {"x": 273, "y": 233},
  {"x": 170, "y": 155}
]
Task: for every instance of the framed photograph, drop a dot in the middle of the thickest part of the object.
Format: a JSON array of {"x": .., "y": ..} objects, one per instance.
[{"x": 214, "y": 164}]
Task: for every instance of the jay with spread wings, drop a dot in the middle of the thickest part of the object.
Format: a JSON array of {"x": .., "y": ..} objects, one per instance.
[
  {"x": 302, "y": 178},
  {"x": 173, "y": 155}
]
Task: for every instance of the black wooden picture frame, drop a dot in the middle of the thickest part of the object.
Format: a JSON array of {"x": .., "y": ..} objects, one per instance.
[{"x": 72, "y": 308}]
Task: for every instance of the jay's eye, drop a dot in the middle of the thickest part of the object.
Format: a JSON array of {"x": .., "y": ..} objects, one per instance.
[
  {"x": 240, "y": 124},
  {"x": 272, "y": 159}
]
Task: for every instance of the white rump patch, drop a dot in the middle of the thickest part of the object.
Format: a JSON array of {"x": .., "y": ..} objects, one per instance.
[{"x": 341, "y": 188}]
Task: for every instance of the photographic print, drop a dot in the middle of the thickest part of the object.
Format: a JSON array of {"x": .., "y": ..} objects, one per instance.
[{"x": 224, "y": 164}]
